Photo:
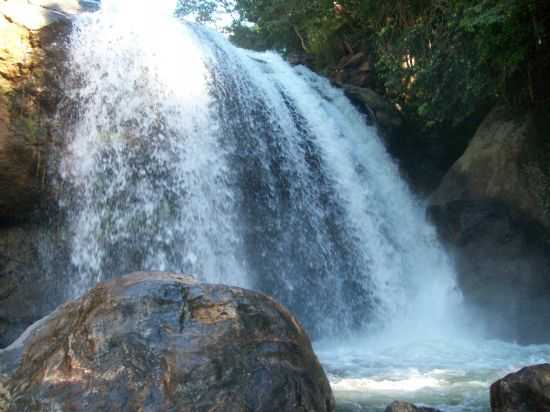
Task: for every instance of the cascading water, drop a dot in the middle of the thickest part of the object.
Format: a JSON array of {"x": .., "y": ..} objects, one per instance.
[
  {"x": 187, "y": 154},
  {"x": 200, "y": 157}
]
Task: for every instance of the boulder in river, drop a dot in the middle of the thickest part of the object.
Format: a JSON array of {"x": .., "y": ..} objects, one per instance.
[
  {"x": 399, "y": 406},
  {"x": 527, "y": 390},
  {"x": 507, "y": 161},
  {"x": 492, "y": 210},
  {"x": 161, "y": 341}
]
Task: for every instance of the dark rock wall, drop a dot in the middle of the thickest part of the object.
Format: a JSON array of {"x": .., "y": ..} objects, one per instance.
[
  {"x": 492, "y": 209},
  {"x": 31, "y": 67}
]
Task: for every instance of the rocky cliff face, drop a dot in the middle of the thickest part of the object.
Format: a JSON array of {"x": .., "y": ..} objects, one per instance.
[
  {"x": 506, "y": 161},
  {"x": 25, "y": 103},
  {"x": 493, "y": 210},
  {"x": 159, "y": 341},
  {"x": 32, "y": 49}
]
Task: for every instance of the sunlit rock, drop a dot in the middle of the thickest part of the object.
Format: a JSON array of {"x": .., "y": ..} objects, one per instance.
[
  {"x": 31, "y": 66},
  {"x": 161, "y": 341}
]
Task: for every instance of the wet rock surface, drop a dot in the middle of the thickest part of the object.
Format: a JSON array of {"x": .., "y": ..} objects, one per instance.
[
  {"x": 527, "y": 390},
  {"x": 32, "y": 66},
  {"x": 503, "y": 266},
  {"x": 27, "y": 291},
  {"x": 160, "y": 341},
  {"x": 399, "y": 406}
]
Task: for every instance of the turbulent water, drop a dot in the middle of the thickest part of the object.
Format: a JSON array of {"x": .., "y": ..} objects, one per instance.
[
  {"x": 188, "y": 154},
  {"x": 451, "y": 375}
]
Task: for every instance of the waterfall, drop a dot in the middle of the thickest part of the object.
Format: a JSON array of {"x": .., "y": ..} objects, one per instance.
[{"x": 185, "y": 153}]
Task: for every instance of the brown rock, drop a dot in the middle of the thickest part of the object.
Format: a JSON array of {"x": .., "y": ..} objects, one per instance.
[
  {"x": 355, "y": 70},
  {"x": 18, "y": 163},
  {"x": 354, "y": 60},
  {"x": 31, "y": 65},
  {"x": 160, "y": 342},
  {"x": 30, "y": 62},
  {"x": 527, "y": 390},
  {"x": 386, "y": 115}
]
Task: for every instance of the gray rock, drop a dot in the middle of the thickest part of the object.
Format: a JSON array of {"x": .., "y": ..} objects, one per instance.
[
  {"x": 27, "y": 291},
  {"x": 527, "y": 390},
  {"x": 399, "y": 406},
  {"x": 31, "y": 66},
  {"x": 385, "y": 114},
  {"x": 506, "y": 161},
  {"x": 491, "y": 210},
  {"x": 160, "y": 341}
]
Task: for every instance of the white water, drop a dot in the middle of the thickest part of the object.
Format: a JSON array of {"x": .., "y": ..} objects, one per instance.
[
  {"x": 452, "y": 375},
  {"x": 145, "y": 157},
  {"x": 188, "y": 154}
]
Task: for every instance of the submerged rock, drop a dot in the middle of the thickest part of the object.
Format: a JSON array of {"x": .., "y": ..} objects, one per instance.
[
  {"x": 527, "y": 390},
  {"x": 399, "y": 406},
  {"x": 160, "y": 341}
]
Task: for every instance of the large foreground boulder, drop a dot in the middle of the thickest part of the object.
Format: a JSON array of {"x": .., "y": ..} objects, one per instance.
[
  {"x": 492, "y": 210},
  {"x": 163, "y": 342},
  {"x": 527, "y": 390}
]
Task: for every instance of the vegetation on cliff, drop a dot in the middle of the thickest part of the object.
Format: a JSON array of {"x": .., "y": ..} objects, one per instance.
[{"x": 442, "y": 61}]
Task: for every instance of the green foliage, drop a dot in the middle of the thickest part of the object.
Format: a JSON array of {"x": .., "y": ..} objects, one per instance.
[
  {"x": 442, "y": 61},
  {"x": 446, "y": 62},
  {"x": 203, "y": 10}
]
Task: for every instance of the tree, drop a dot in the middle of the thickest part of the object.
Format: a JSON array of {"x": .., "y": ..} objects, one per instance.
[{"x": 442, "y": 61}]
